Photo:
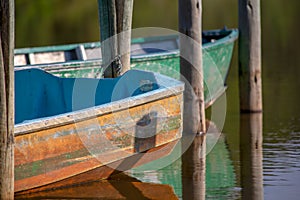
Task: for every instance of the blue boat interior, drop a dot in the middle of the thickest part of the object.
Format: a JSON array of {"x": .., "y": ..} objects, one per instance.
[{"x": 39, "y": 94}]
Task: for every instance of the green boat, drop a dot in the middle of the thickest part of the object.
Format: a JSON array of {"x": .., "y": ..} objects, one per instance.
[{"x": 158, "y": 54}]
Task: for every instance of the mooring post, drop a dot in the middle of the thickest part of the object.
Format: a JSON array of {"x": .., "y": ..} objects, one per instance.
[
  {"x": 191, "y": 70},
  {"x": 115, "y": 17},
  {"x": 6, "y": 99},
  {"x": 250, "y": 56}
]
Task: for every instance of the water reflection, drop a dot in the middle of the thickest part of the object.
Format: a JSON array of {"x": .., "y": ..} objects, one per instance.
[
  {"x": 120, "y": 187},
  {"x": 251, "y": 156},
  {"x": 206, "y": 168},
  {"x": 195, "y": 176},
  {"x": 281, "y": 159},
  {"x": 193, "y": 170}
]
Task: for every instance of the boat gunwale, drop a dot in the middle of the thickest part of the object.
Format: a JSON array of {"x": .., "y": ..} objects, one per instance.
[
  {"x": 170, "y": 87},
  {"x": 230, "y": 38}
]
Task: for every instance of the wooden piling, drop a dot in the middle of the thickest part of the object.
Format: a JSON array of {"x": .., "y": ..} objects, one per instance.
[
  {"x": 190, "y": 14},
  {"x": 115, "y": 17},
  {"x": 6, "y": 99},
  {"x": 124, "y": 25},
  {"x": 250, "y": 56},
  {"x": 107, "y": 19}
]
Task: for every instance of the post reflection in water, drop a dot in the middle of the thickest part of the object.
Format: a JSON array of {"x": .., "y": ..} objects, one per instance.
[
  {"x": 193, "y": 170},
  {"x": 251, "y": 156}
]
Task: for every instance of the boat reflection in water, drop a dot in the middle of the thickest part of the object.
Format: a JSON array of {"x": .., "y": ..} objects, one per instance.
[{"x": 119, "y": 187}]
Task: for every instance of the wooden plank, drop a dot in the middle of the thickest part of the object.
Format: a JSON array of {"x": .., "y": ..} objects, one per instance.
[
  {"x": 250, "y": 56},
  {"x": 7, "y": 99},
  {"x": 190, "y": 13}
]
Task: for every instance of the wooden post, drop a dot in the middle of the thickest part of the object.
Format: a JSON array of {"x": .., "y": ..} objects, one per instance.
[
  {"x": 115, "y": 18},
  {"x": 124, "y": 24},
  {"x": 250, "y": 56},
  {"x": 107, "y": 18},
  {"x": 6, "y": 99},
  {"x": 190, "y": 13}
]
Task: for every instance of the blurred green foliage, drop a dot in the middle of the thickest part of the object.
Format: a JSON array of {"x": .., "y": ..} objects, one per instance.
[{"x": 49, "y": 22}]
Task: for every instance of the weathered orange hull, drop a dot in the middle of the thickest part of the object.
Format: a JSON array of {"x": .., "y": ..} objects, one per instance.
[
  {"x": 101, "y": 172},
  {"x": 93, "y": 144}
]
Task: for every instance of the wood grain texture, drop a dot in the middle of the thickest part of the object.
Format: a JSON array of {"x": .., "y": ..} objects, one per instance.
[
  {"x": 115, "y": 18},
  {"x": 250, "y": 56},
  {"x": 191, "y": 64},
  {"x": 124, "y": 23},
  {"x": 96, "y": 173},
  {"x": 6, "y": 99},
  {"x": 108, "y": 31},
  {"x": 101, "y": 172}
]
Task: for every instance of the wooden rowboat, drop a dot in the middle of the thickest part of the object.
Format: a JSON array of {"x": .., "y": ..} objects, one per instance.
[
  {"x": 72, "y": 130},
  {"x": 157, "y": 54}
]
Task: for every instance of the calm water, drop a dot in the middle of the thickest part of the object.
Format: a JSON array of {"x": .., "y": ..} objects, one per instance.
[{"x": 242, "y": 165}]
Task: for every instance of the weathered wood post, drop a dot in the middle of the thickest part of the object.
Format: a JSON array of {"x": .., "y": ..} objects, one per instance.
[
  {"x": 6, "y": 99},
  {"x": 115, "y": 18},
  {"x": 190, "y": 14},
  {"x": 250, "y": 56},
  {"x": 193, "y": 160}
]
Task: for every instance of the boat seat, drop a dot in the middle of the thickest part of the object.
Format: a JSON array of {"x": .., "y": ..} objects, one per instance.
[{"x": 39, "y": 94}]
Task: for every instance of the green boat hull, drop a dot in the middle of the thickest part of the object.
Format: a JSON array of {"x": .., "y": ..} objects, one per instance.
[{"x": 217, "y": 53}]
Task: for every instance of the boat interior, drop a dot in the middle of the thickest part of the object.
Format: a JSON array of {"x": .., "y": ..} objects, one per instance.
[{"x": 39, "y": 94}]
